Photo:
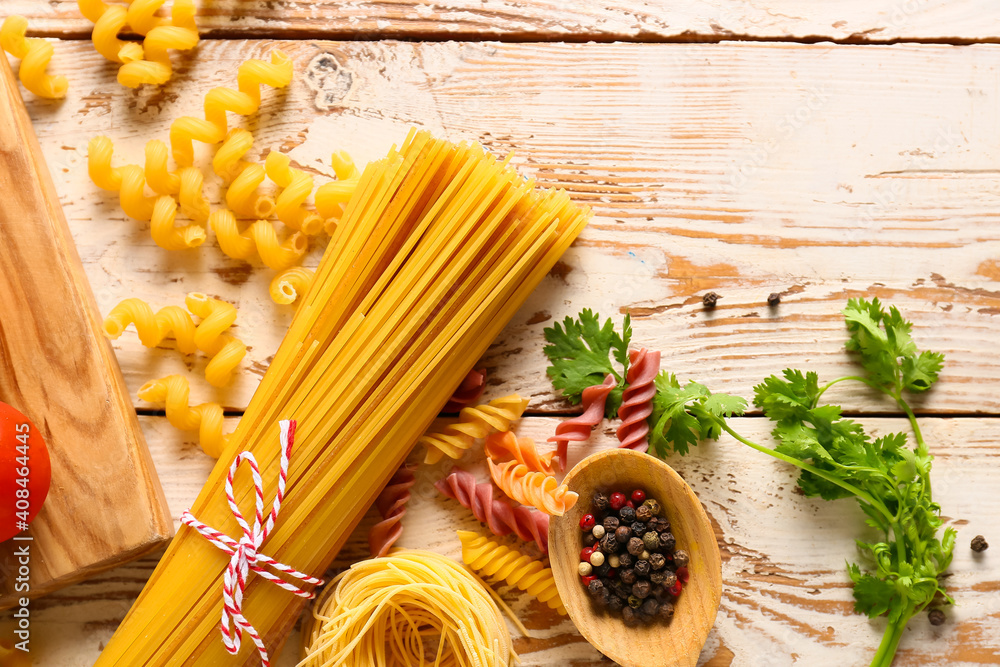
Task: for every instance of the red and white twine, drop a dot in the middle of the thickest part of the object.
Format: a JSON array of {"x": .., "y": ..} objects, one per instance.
[{"x": 245, "y": 555}]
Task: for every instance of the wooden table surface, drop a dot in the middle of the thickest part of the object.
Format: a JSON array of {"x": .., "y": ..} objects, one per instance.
[{"x": 821, "y": 150}]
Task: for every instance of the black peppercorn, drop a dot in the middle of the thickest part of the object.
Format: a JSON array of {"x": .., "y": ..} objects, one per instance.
[
  {"x": 600, "y": 502},
  {"x": 627, "y": 514},
  {"x": 657, "y": 561},
  {"x": 625, "y": 559},
  {"x": 629, "y": 616},
  {"x": 639, "y": 528},
  {"x": 979, "y": 544},
  {"x": 628, "y": 576},
  {"x": 667, "y": 543},
  {"x": 669, "y": 580},
  {"x": 659, "y": 524},
  {"x": 642, "y": 568},
  {"x": 651, "y": 541},
  {"x": 616, "y": 602},
  {"x": 595, "y": 588},
  {"x": 641, "y": 589},
  {"x": 634, "y": 602},
  {"x": 710, "y": 299},
  {"x": 609, "y": 544},
  {"x": 602, "y": 569},
  {"x": 610, "y": 524},
  {"x": 773, "y": 299},
  {"x": 642, "y": 513},
  {"x": 635, "y": 546},
  {"x": 604, "y": 597},
  {"x": 657, "y": 577},
  {"x": 666, "y": 611},
  {"x": 681, "y": 558},
  {"x": 936, "y": 617},
  {"x": 622, "y": 533},
  {"x": 589, "y": 540},
  {"x": 620, "y": 589},
  {"x": 649, "y": 607}
]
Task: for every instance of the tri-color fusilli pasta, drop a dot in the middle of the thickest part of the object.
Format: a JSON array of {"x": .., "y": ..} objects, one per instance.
[
  {"x": 497, "y": 563},
  {"x": 577, "y": 429},
  {"x": 506, "y": 446},
  {"x": 537, "y": 489},
  {"x": 473, "y": 423},
  {"x": 34, "y": 55},
  {"x": 468, "y": 392},
  {"x": 391, "y": 506},
  {"x": 259, "y": 239},
  {"x": 637, "y": 401},
  {"x": 174, "y": 391}
]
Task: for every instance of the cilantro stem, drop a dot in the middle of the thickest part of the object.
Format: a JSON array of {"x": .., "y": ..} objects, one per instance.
[
  {"x": 850, "y": 488},
  {"x": 856, "y": 378},
  {"x": 913, "y": 423},
  {"x": 890, "y": 641}
]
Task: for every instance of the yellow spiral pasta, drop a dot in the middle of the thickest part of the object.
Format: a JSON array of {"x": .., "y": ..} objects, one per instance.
[
  {"x": 333, "y": 196},
  {"x": 164, "y": 232},
  {"x": 243, "y": 198},
  {"x": 213, "y": 128},
  {"x": 228, "y": 161},
  {"x": 141, "y": 15},
  {"x": 537, "y": 489},
  {"x": 187, "y": 182},
  {"x": 154, "y": 66},
  {"x": 259, "y": 239},
  {"x": 35, "y": 55},
  {"x": 108, "y": 21},
  {"x": 296, "y": 187},
  {"x": 128, "y": 181},
  {"x": 497, "y": 563},
  {"x": 226, "y": 351},
  {"x": 291, "y": 284},
  {"x": 152, "y": 329},
  {"x": 473, "y": 423},
  {"x": 174, "y": 391},
  {"x": 506, "y": 447}
]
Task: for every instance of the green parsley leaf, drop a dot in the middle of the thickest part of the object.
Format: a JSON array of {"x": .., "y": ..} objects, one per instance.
[{"x": 581, "y": 350}]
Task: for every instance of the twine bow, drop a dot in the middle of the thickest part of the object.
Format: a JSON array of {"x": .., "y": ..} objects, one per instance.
[{"x": 245, "y": 554}]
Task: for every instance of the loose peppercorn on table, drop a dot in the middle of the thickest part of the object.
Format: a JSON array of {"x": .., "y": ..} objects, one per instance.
[{"x": 785, "y": 159}]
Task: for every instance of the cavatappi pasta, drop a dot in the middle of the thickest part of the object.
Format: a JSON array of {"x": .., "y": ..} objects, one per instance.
[
  {"x": 164, "y": 231},
  {"x": 291, "y": 284},
  {"x": 331, "y": 197},
  {"x": 181, "y": 34},
  {"x": 109, "y": 20},
  {"x": 35, "y": 55},
  {"x": 399, "y": 609},
  {"x": 260, "y": 239},
  {"x": 174, "y": 391},
  {"x": 499, "y": 563},
  {"x": 226, "y": 351},
  {"x": 438, "y": 248},
  {"x": 152, "y": 329},
  {"x": 296, "y": 187}
]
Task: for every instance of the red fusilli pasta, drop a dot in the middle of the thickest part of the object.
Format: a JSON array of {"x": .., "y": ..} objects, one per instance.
[
  {"x": 578, "y": 428},
  {"x": 468, "y": 392},
  {"x": 391, "y": 505},
  {"x": 637, "y": 401},
  {"x": 501, "y": 519},
  {"x": 507, "y": 447}
]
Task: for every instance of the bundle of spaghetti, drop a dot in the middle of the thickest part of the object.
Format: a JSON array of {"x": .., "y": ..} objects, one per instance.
[
  {"x": 397, "y": 611},
  {"x": 500, "y": 563},
  {"x": 296, "y": 187},
  {"x": 391, "y": 506},
  {"x": 473, "y": 424},
  {"x": 500, "y": 447},
  {"x": 214, "y": 127},
  {"x": 439, "y": 247},
  {"x": 637, "y": 401},
  {"x": 226, "y": 351},
  {"x": 152, "y": 329},
  {"x": 468, "y": 392},
  {"x": 527, "y": 487},
  {"x": 34, "y": 55},
  {"x": 260, "y": 239},
  {"x": 577, "y": 429},
  {"x": 291, "y": 284},
  {"x": 154, "y": 66},
  {"x": 174, "y": 391},
  {"x": 501, "y": 519},
  {"x": 332, "y": 197}
]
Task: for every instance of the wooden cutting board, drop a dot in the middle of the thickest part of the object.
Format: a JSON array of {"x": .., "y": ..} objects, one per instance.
[{"x": 105, "y": 505}]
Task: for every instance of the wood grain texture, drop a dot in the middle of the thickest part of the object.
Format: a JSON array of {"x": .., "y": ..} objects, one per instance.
[
  {"x": 679, "y": 643},
  {"x": 786, "y": 596},
  {"x": 819, "y": 172},
  {"x": 575, "y": 20},
  {"x": 105, "y": 504}
]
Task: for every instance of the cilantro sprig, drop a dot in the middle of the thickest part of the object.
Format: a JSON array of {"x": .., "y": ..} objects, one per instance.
[
  {"x": 838, "y": 459},
  {"x": 582, "y": 352}
]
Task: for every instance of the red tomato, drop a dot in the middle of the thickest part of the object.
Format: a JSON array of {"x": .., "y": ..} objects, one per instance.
[{"x": 25, "y": 472}]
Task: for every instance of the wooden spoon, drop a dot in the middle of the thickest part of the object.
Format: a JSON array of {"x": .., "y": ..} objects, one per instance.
[{"x": 679, "y": 643}]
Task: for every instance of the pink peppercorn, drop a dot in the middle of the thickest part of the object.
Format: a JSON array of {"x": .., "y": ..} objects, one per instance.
[
  {"x": 617, "y": 500},
  {"x": 587, "y": 522},
  {"x": 682, "y": 575},
  {"x": 638, "y": 496},
  {"x": 675, "y": 590},
  {"x": 586, "y": 554}
]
